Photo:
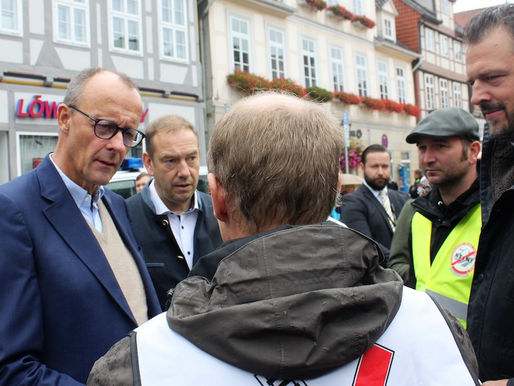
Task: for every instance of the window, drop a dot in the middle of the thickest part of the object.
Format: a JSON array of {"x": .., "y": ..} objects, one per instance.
[
  {"x": 32, "y": 148},
  {"x": 10, "y": 20},
  {"x": 337, "y": 65},
  {"x": 173, "y": 29},
  {"x": 457, "y": 49},
  {"x": 429, "y": 91},
  {"x": 71, "y": 21},
  {"x": 240, "y": 37},
  {"x": 383, "y": 80},
  {"x": 332, "y": 2},
  {"x": 277, "y": 53},
  {"x": 444, "y": 46},
  {"x": 389, "y": 28},
  {"x": 362, "y": 74},
  {"x": 126, "y": 25},
  {"x": 457, "y": 94},
  {"x": 357, "y": 7},
  {"x": 445, "y": 6},
  {"x": 429, "y": 39},
  {"x": 400, "y": 80},
  {"x": 443, "y": 89},
  {"x": 309, "y": 62}
]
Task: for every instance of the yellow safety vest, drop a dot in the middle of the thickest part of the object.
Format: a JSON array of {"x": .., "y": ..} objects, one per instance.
[{"x": 448, "y": 279}]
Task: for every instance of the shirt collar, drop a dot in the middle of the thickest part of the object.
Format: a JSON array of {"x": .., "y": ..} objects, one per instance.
[
  {"x": 160, "y": 206},
  {"x": 376, "y": 193},
  {"x": 79, "y": 194}
]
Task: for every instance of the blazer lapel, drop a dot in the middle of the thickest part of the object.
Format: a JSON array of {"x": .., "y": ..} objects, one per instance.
[
  {"x": 374, "y": 201},
  {"x": 63, "y": 214}
]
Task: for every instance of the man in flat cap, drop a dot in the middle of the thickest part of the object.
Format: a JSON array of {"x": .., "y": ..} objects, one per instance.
[{"x": 436, "y": 239}]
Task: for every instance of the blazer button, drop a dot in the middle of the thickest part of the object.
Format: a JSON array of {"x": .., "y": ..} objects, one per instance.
[
  {"x": 180, "y": 257},
  {"x": 164, "y": 222}
]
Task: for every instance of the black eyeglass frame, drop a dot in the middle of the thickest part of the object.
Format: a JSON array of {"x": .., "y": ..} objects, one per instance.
[{"x": 114, "y": 124}]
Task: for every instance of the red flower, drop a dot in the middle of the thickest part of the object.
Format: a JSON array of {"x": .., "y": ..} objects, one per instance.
[
  {"x": 341, "y": 12},
  {"x": 347, "y": 97},
  {"x": 247, "y": 83},
  {"x": 412, "y": 109},
  {"x": 372, "y": 103},
  {"x": 317, "y": 4},
  {"x": 365, "y": 21},
  {"x": 289, "y": 86},
  {"x": 393, "y": 106}
]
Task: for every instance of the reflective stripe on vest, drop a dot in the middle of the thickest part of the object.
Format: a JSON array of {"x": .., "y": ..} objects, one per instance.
[
  {"x": 448, "y": 279},
  {"x": 411, "y": 351}
]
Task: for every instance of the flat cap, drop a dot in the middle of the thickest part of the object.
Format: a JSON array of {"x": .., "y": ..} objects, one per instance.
[{"x": 448, "y": 122}]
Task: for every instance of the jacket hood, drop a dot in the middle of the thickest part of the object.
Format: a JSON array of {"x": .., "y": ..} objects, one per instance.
[{"x": 293, "y": 304}]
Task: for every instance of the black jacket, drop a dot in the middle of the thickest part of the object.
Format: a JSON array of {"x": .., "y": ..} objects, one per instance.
[
  {"x": 164, "y": 259},
  {"x": 361, "y": 211},
  {"x": 491, "y": 305}
]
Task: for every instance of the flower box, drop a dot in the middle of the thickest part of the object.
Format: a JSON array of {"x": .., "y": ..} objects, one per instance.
[
  {"x": 412, "y": 110},
  {"x": 347, "y": 97},
  {"x": 288, "y": 85},
  {"x": 319, "y": 94},
  {"x": 341, "y": 12},
  {"x": 373, "y": 104},
  {"x": 318, "y": 5},
  {"x": 365, "y": 21},
  {"x": 393, "y": 106},
  {"x": 247, "y": 83}
]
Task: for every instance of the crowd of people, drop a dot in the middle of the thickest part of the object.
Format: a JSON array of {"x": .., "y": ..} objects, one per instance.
[{"x": 252, "y": 284}]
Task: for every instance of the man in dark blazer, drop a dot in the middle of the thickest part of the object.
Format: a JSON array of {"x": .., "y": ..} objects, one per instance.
[
  {"x": 173, "y": 222},
  {"x": 63, "y": 298},
  {"x": 364, "y": 210}
]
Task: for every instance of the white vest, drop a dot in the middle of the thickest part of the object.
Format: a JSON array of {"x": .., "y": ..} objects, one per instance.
[{"x": 416, "y": 349}]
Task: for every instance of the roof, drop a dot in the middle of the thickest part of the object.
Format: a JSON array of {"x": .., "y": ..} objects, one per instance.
[
  {"x": 463, "y": 18},
  {"x": 380, "y": 3}
]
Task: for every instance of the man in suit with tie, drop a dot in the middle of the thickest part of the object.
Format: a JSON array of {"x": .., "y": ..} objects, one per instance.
[
  {"x": 373, "y": 208},
  {"x": 72, "y": 279}
]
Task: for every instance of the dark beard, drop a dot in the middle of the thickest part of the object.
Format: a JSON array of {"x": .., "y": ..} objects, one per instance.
[
  {"x": 373, "y": 185},
  {"x": 509, "y": 130}
]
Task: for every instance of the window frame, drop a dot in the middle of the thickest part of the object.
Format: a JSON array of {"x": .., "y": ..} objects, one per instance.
[
  {"x": 126, "y": 18},
  {"x": 457, "y": 94},
  {"x": 337, "y": 71},
  {"x": 444, "y": 46},
  {"x": 444, "y": 93},
  {"x": 18, "y": 13},
  {"x": 383, "y": 79},
  {"x": 362, "y": 69},
  {"x": 401, "y": 84},
  {"x": 310, "y": 80},
  {"x": 392, "y": 28},
  {"x": 429, "y": 42},
  {"x": 457, "y": 51},
  {"x": 273, "y": 45},
  {"x": 174, "y": 28},
  {"x": 71, "y": 5},
  {"x": 429, "y": 97},
  {"x": 358, "y": 7},
  {"x": 239, "y": 35}
]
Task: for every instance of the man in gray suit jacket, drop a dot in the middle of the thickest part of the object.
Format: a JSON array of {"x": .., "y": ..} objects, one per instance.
[{"x": 373, "y": 208}]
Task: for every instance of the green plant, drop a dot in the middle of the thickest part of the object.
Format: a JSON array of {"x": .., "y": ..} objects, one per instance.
[
  {"x": 347, "y": 97},
  {"x": 373, "y": 103},
  {"x": 412, "y": 109},
  {"x": 341, "y": 12},
  {"x": 319, "y": 94},
  {"x": 289, "y": 86},
  {"x": 247, "y": 83}
]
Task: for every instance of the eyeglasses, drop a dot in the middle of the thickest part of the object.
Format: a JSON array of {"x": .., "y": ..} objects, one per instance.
[{"x": 105, "y": 129}]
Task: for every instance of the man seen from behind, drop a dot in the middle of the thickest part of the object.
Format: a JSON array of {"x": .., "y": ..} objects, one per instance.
[{"x": 292, "y": 299}]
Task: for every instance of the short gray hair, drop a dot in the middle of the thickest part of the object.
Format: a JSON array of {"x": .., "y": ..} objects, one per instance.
[{"x": 491, "y": 18}]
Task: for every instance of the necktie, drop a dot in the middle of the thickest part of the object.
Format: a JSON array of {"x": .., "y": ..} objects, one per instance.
[{"x": 387, "y": 207}]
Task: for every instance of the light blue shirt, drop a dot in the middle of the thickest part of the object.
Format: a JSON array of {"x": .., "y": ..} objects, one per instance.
[{"x": 87, "y": 205}]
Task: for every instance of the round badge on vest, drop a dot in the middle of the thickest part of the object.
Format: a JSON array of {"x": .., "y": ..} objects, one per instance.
[{"x": 463, "y": 259}]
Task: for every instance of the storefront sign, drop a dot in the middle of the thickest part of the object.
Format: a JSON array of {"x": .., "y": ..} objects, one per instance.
[{"x": 38, "y": 108}]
